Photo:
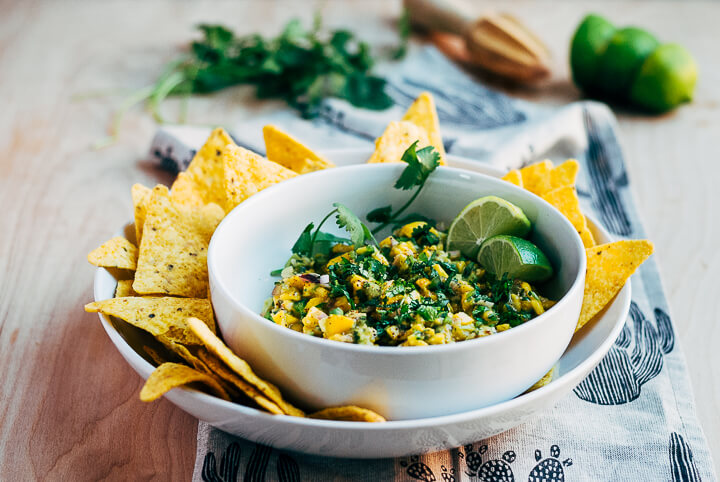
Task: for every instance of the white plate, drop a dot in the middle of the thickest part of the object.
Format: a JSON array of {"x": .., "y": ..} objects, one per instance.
[{"x": 393, "y": 438}]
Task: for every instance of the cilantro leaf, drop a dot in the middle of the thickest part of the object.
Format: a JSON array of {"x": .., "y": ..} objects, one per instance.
[
  {"x": 380, "y": 215},
  {"x": 359, "y": 233},
  {"x": 303, "y": 244},
  {"x": 321, "y": 244},
  {"x": 420, "y": 164}
]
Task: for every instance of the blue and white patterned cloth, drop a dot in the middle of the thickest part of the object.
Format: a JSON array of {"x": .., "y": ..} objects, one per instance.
[{"x": 632, "y": 419}]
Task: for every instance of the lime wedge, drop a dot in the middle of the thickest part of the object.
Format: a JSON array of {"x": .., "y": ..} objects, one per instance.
[
  {"x": 482, "y": 219},
  {"x": 516, "y": 257}
]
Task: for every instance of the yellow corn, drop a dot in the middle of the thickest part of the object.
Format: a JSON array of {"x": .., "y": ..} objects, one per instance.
[
  {"x": 342, "y": 248},
  {"x": 537, "y": 306},
  {"x": 297, "y": 282},
  {"x": 423, "y": 283},
  {"x": 291, "y": 294},
  {"x": 279, "y": 318},
  {"x": 337, "y": 259},
  {"x": 387, "y": 242},
  {"x": 467, "y": 304},
  {"x": 378, "y": 256},
  {"x": 502, "y": 327},
  {"x": 314, "y": 302},
  {"x": 408, "y": 229},
  {"x": 460, "y": 265},
  {"x": 393, "y": 332},
  {"x": 439, "y": 270},
  {"x": 400, "y": 262},
  {"x": 336, "y": 324},
  {"x": 515, "y": 300},
  {"x": 357, "y": 282},
  {"x": 405, "y": 248}
]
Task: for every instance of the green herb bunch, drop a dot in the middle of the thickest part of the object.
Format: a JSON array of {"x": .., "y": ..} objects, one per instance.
[{"x": 299, "y": 66}]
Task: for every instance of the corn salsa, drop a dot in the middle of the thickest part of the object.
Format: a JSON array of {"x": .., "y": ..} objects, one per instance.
[{"x": 409, "y": 291}]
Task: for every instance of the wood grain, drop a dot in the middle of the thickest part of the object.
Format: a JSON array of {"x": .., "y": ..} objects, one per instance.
[{"x": 68, "y": 403}]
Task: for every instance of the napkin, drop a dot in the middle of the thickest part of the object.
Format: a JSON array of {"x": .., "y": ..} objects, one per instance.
[{"x": 633, "y": 418}]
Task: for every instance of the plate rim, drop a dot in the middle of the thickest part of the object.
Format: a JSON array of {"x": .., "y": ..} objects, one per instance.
[{"x": 144, "y": 367}]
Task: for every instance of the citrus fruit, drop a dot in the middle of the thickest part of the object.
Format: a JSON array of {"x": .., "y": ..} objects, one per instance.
[
  {"x": 625, "y": 53},
  {"x": 587, "y": 48},
  {"x": 666, "y": 79},
  {"x": 482, "y": 219},
  {"x": 516, "y": 257}
]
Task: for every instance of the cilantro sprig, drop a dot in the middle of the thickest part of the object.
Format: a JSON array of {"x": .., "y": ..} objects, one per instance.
[
  {"x": 420, "y": 164},
  {"x": 301, "y": 66},
  {"x": 313, "y": 241}
]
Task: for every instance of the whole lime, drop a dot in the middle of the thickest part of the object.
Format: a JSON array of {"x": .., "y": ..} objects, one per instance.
[
  {"x": 666, "y": 79},
  {"x": 586, "y": 50},
  {"x": 625, "y": 53}
]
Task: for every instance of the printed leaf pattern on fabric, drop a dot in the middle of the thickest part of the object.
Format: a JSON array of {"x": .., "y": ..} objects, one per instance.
[
  {"x": 620, "y": 375},
  {"x": 287, "y": 467},
  {"x": 604, "y": 182},
  {"x": 229, "y": 465},
  {"x": 682, "y": 465}
]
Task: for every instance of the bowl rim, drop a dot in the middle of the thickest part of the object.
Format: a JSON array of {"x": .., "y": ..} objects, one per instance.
[{"x": 501, "y": 337}]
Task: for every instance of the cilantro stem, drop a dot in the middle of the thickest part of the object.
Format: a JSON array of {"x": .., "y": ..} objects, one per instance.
[
  {"x": 397, "y": 213},
  {"x": 317, "y": 230}
]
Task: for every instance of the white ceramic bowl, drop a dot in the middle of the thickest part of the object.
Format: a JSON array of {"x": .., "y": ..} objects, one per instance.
[
  {"x": 394, "y": 438},
  {"x": 400, "y": 383}
]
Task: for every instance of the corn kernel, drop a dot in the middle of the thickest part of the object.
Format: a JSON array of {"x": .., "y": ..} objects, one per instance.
[
  {"x": 357, "y": 282},
  {"x": 393, "y": 332},
  {"x": 408, "y": 229},
  {"x": 439, "y": 270},
  {"x": 387, "y": 242},
  {"x": 336, "y": 324},
  {"x": 405, "y": 248},
  {"x": 537, "y": 306},
  {"x": 313, "y": 302},
  {"x": 342, "y": 248},
  {"x": 423, "y": 283},
  {"x": 502, "y": 327},
  {"x": 337, "y": 259},
  {"x": 291, "y": 294}
]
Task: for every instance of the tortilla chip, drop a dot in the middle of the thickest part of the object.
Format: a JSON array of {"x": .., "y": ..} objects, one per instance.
[
  {"x": 287, "y": 151},
  {"x": 117, "y": 252},
  {"x": 172, "y": 375},
  {"x": 247, "y": 173},
  {"x": 203, "y": 181},
  {"x": 348, "y": 413},
  {"x": 140, "y": 195},
  {"x": 239, "y": 366},
  {"x": 608, "y": 268},
  {"x": 546, "y": 379},
  {"x": 423, "y": 114},
  {"x": 564, "y": 175},
  {"x": 513, "y": 177},
  {"x": 536, "y": 177},
  {"x": 124, "y": 288},
  {"x": 154, "y": 355},
  {"x": 566, "y": 201},
  {"x": 162, "y": 317},
  {"x": 173, "y": 251},
  {"x": 398, "y": 136},
  {"x": 219, "y": 369}
]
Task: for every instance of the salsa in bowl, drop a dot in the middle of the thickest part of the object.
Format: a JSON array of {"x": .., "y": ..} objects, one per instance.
[{"x": 401, "y": 383}]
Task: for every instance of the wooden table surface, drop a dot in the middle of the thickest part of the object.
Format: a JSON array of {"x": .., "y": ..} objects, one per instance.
[{"x": 69, "y": 405}]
